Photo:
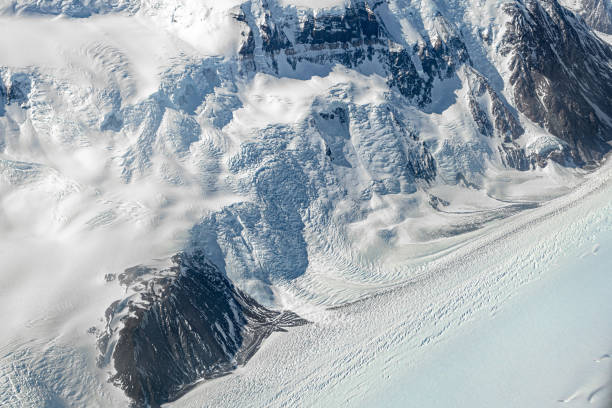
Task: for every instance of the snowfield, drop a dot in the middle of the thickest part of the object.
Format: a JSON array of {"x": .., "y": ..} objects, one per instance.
[{"x": 385, "y": 188}]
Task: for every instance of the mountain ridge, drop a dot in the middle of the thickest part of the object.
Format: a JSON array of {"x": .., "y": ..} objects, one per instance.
[{"x": 309, "y": 153}]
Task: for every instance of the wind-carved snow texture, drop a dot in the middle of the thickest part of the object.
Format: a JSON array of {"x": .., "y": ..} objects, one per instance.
[
  {"x": 317, "y": 149},
  {"x": 180, "y": 325}
]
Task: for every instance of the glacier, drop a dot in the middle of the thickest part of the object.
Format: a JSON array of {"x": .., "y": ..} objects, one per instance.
[
  {"x": 393, "y": 172},
  {"x": 515, "y": 317}
]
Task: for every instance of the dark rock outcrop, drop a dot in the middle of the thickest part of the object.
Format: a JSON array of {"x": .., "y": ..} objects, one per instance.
[
  {"x": 180, "y": 325},
  {"x": 3, "y": 97},
  {"x": 561, "y": 76},
  {"x": 422, "y": 166},
  {"x": 491, "y": 115},
  {"x": 15, "y": 89},
  {"x": 352, "y": 37},
  {"x": 596, "y": 13}
]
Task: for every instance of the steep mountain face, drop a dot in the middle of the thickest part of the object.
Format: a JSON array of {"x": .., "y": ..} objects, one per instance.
[
  {"x": 353, "y": 36},
  {"x": 485, "y": 104},
  {"x": 180, "y": 325},
  {"x": 596, "y": 13},
  {"x": 571, "y": 104},
  {"x": 274, "y": 145},
  {"x": 560, "y": 74}
]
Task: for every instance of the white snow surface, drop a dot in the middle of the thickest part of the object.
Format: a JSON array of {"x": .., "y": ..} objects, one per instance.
[{"x": 200, "y": 158}]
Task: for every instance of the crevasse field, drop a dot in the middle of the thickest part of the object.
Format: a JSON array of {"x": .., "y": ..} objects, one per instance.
[
  {"x": 515, "y": 317},
  {"x": 135, "y": 134}
]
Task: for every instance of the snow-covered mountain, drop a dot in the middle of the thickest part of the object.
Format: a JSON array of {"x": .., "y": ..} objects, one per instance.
[
  {"x": 311, "y": 152},
  {"x": 596, "y": 13}
]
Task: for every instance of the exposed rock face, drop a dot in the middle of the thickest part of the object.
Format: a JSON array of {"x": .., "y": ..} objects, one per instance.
[
  {"x": 3, "y": 98},
  {"x": 15, "y": 88},
  {"x": 180, "y": 325},
  {"x": 485, "y": 103},
  {"x": 561, "y": 75},
  {"x": 353, "y": 37},
  {"x": 356, "y": 36},
  {"x": 513, "y": 155},
  {"x": 423, "y": 165},
  {"x": 596, "y": 13},
  {"x": 494, "y": 118}
]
